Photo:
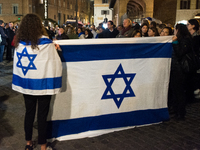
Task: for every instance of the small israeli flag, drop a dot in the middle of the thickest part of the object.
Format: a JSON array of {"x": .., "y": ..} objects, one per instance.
[{"x": 38, "y": 71}]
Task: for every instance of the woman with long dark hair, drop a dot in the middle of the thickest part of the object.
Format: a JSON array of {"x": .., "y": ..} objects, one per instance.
[
  {"x": 152, "y": 32},
  {"x": 37, "y": 74},
  {"x": 88, "y": 34},
  {"x": 144, "y": 28},
  {"x": 182, "y": 44}
]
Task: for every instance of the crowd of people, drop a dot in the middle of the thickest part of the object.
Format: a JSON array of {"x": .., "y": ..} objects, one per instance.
[
  {"x": 8, "y": 31},
  {"x": 182, "y": 85}
]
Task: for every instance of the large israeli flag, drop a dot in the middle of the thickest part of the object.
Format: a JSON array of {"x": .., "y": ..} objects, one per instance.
[{"x": 110, "y": 85}]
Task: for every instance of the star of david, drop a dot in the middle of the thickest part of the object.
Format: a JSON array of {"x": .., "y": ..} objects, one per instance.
[
  {"x": 31, "y": 58},
  {"x": 128, "y": 91}
]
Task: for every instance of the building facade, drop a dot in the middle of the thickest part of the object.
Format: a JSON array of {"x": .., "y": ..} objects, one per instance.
[
  {"x": 133, "y": 9},
  {"x": 187, "y": 9},
  {"x": 136, "y": 10},
  {"x": 56, "y": 10},
  {"x": 101, "y": 11}
]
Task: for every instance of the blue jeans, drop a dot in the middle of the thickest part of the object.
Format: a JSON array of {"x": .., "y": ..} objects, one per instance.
[{"x": 1, "y": 52}]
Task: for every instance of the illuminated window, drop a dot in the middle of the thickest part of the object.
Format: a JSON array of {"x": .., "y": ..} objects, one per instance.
[
  {"x": 41, "y": 2},
  {"x": 185, "y": 4}
]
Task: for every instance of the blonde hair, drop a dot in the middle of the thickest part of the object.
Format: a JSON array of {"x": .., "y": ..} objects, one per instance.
[{"x": 129, "y": 20}]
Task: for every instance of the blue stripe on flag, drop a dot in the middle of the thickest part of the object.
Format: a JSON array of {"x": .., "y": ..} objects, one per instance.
[
  {"x": 41, "y": 41},
  {"x": 73, "y": 126},
  {"x": 74, "y": 53},
  {"x": 37, "y": 84}
]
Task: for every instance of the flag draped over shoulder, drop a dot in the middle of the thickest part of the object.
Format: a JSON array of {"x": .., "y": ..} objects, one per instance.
[
  {"x": 111, "y": 84},
  {"x": 38, "y": 71}
]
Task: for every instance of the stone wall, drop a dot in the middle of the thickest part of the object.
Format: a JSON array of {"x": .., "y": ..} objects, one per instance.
[{"x": 165, "y": 10}]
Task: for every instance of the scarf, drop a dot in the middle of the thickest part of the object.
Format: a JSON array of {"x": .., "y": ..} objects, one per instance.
[
  {"x": 80, "y": 34},
  {"x": 125, "y": 29}
]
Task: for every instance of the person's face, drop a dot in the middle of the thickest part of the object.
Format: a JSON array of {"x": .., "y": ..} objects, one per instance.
[
  {"x": 126, "y": 23},
  {"x": 144, "y": 29},
  {"x": 60, "y": 31},
  {"x": 86, "y": 32},
  {"x": 109, "y": 25},
  {"x": 190, "y": 27},
  {"x": 100, "y": 30},
  {"x": 92, "y": 27},
  {"x": 138, "y": 35},
  {"x": 164, "y": 32},
  {"x": 151, "y": 33},
  {"x": 159, "y": 30},
  {"x": 11, "y": 25},
  {"x": 79, "y": 30}
]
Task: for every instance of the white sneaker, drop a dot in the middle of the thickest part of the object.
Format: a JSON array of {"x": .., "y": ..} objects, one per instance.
[
  {"x": 49, "y": 148},
  {"x": 197, "y": 92}
]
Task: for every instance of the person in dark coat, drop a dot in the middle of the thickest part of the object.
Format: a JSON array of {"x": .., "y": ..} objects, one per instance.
[
  {"x": 127, "y": 30},
  {"x": 111, "y": 32},
  {"x": 61, "y": 35},
  {"x": 182, "y": 44},
  {"x": 3, "y": 38},
  {"x": 10, "y": 32},
  {"x": 193, "y": 79}
]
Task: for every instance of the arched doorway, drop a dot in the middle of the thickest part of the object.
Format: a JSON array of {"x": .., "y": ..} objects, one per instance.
[{"x": 136, "y": 9}]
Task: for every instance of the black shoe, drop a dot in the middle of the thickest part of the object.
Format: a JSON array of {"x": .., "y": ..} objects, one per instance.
[{"x": 28, "y": 147}]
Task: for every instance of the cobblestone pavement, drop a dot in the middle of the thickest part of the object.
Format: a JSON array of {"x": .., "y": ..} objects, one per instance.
[{"x": 170, "y": 135}]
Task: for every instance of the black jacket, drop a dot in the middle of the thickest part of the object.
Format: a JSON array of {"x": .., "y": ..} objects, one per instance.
[
  {"x": 10, "y": 33},
  {"x": 62, "y": 37},
  {"x": 196, "y": 43},
  {"x": 180, "y": 49},
  {"x": 108, "y": 34},
  {"x": 3, "y": 36}
]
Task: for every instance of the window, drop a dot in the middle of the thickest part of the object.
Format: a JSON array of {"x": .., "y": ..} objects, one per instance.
[
  {"x": 0, "y": 9},
  {"x": 15, "y": 8},
  {"x": 68, "y": 4},
  {"x": 198, "y": 4},
  {"x": 185, "y": 4},
  {"x": 104, "y": 1},
  {"x": 59, "y": 3},
  {"x": 64, "y": 18},
  {"x": 30, "y": 8},
  {"x": 105, "y": 12}
]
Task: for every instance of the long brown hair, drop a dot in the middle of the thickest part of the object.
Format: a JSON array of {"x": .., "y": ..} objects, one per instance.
[{"x": 30, "y": 30}]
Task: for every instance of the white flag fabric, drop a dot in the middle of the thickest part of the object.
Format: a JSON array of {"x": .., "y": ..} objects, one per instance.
[
  {"x": 38, "y": 71},
  {"x": 111, "y": 84}
]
